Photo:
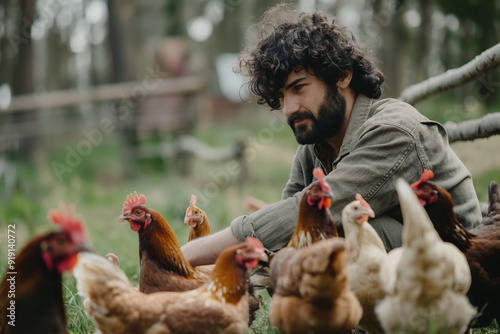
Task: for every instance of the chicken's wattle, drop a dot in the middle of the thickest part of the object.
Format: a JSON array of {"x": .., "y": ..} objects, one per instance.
[
  {"x": 67, "y": 264},
  {"x": 135, "y": 227}
]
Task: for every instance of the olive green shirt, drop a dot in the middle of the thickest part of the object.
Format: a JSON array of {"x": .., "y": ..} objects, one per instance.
[{"x": 385, "y": 140}]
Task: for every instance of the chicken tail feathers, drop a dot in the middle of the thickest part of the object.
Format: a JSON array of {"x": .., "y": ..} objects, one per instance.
[{"x": 92, "y": 271}]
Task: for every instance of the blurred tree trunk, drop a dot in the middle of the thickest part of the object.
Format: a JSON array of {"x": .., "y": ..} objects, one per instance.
[
  {"x": 175, "y": 19},
  {"x": 53, "y": 68},
  {"x": 5, "y": 48},
  {"x": 23, "y": 79},
  {"x": 488, "y": 38},
  {"x": 120, "y": 56},
  {"x": 423, "y": 42},
  {"x": 23, "y": 82},
  {"x": 393, "y": 50}
]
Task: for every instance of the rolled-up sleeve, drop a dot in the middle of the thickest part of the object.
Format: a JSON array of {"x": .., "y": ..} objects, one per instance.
[{"x": 273, "y": 225}]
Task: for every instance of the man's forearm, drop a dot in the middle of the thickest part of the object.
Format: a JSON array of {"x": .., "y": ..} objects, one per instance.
[{"x": 205, "y": 250}]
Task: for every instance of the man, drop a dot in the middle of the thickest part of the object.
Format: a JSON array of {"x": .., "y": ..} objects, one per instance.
[{"x": 327, "y": 87}]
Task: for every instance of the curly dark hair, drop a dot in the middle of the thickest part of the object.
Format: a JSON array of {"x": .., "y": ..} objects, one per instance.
[{"x": 289, "y": 42}]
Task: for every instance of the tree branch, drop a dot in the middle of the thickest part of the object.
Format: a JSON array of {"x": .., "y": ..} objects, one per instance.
[
  {"x": 483, "y": 127},
  {"x": 485, "y": 62}
]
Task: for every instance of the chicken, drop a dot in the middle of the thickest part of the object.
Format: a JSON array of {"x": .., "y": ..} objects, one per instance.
[
  {"x": 314, "y": 222},
  {"x": 311, "y": 289},
  {"x": 480, "y": 245},
  {"x": 367, "y": 255},
  {"x": 218, "y": 306},
  {"x": 425, "y": 280},
  {"x": 197, "y": 220},
  {"x": 31, "y": 296},
  {"x": 163, "y": 266}
]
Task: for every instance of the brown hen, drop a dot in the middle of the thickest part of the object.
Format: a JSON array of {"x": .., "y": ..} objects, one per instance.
[
  {"x": 163, "y": 266},
  {"x": 32, "y": 286},
  {"x": 197, "y": 220}
]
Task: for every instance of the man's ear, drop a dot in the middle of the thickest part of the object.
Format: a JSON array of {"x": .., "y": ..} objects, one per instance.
[{"x": 345, "y": 80}]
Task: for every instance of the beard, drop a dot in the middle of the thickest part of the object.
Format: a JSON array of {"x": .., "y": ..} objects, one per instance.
[{"x": 331, "y": 115}]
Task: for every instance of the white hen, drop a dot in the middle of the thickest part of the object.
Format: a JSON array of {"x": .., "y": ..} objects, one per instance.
[
  {"x": 425, "y": 280},
  {"x": 367, "y": 255}
]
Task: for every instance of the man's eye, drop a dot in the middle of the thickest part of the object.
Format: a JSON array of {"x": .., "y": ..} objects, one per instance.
[{"x": 299, "y": 87}]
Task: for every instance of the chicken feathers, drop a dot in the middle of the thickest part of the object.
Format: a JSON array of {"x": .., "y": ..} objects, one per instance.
[
  {"x": 426, "y": 279},
  {"x": 312, "y": 289},
  {"x": 218, "y": 306},
  {"x": 367, "y": 255}
]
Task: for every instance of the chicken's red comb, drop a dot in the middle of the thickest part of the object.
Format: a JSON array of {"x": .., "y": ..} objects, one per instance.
[
  {"x": 192, "y": 203},
  {"x": 319, "y": 175},
  {"x": 362, "y": 201},
  {"x": 133, "y": 201},
  {"x": 69, "y": 221},
  {"x": 427, "y": 175},
  {"x": 256, "y": 244}
]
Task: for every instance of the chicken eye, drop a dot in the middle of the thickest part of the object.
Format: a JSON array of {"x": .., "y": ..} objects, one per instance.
[
  {"x": 138, "y": 212},
  {"x": 247, "y": 250},
  {"x": 426, "y": 188},
  {"x": 59, "y": 241}
]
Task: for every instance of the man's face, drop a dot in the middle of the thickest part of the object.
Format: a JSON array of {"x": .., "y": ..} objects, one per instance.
[{"x": 314, "y": 111}]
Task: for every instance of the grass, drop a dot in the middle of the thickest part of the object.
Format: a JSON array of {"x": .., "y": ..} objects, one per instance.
[{"x": 99, "y": 185}]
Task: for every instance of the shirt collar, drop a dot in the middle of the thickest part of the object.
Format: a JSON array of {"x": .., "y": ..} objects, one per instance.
[{"x": 359, "y": 114}]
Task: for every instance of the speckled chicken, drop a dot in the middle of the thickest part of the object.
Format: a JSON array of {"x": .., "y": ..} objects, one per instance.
[
  {"x": 426, "y": 279},
  {"x": 218, "y": 306},
  {"x": 311, "y": 289}
]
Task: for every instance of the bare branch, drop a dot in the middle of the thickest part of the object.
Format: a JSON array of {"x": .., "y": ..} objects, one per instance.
[
  {"x": 479, "y": 66},
  {"x": 483, "y": 127}
]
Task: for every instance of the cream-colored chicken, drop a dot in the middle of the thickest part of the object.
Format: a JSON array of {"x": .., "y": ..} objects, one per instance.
[
  {"x": 367, "y": 255},
  {"x": 426, "y": 279},
  {"x": 218, "y": 306}
]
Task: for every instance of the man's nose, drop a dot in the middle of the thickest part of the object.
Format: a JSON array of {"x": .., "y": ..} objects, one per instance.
[{"x": 290, "y": 106}]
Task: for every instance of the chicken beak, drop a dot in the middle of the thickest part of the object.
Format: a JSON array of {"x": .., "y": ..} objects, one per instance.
[
  {"x": 84, "y": 247},
  {"x": 123, "y": 217},
  {"x": 263, "y": 257}
]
